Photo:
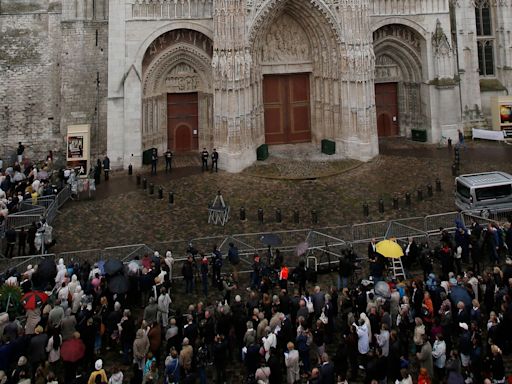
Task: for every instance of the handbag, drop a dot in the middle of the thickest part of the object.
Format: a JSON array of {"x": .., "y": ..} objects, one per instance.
[
  {"x": 323, "y": 318},
  {"x": 309, "y": 306}
]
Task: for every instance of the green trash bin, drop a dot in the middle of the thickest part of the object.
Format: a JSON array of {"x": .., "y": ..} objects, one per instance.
[
  {"x": 419, "y": 135},
  {"x": 262, "y": 152},
  {"x": 146, "y": 156},
  {"x": 328, "y": 147}
]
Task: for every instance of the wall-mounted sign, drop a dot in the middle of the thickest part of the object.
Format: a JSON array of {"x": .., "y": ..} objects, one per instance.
[{"x": 78, "y": 148}]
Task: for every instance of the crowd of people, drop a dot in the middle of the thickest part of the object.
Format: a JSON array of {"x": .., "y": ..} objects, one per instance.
[{"x": 449, "y": 326}]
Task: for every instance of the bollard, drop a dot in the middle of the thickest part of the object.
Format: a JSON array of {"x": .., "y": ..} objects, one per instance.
[
  {"x": 419, "y": 193},
  {"x": 449, "y": 143},
  {"x": 171, "y": 198},
  {"x": 366, "y": 210},
  {"x": 260, "y": 215},
  {"x": 454, "y": 170},
  {"x": 160, "y": 192},
  {"x": 144, "y": 183},
  {"x": 408, "y": 199},
  {"x": 430, "y": 192},
  {"x": 242, "y": 214},
  {"x": 278, "y": 215},
  {"x": 395, "y": 202},
  {"x": 438, "y": 185},
  {"x": 151, "y": 189},
  {"x": 296, "y": 216},
  {"x": 314, "y": 216},
  {"x": 138, "y": 179},
  {"x": 130, "y": 170},
  {"x": 381, "y": 206}
]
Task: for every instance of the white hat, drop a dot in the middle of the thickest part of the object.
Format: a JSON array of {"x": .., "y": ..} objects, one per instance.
[
  {"x": 98, "y": 364},
  {"x": 463, "y": 326}
]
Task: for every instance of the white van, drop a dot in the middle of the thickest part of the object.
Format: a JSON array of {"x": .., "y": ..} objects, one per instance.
[{"x": 487, "y": 190}]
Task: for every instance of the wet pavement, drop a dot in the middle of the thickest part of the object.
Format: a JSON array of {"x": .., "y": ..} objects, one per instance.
[{"x": 122, "y": 213}]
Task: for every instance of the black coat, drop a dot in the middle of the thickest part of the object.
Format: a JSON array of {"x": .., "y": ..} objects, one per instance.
[{"x": 327, "y": 374}]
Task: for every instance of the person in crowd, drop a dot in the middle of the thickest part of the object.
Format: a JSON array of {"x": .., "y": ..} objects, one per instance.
[{"x": 450, "y": 328}]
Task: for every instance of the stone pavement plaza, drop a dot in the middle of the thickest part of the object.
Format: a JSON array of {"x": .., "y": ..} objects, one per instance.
[{"x": 121, "y": 213}]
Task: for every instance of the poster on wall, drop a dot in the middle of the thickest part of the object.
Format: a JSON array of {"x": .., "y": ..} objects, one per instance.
[
  {"x": 506, "y": 113},
  {"x": 78, "y": 148},
  {"x": 80, "y": 166},
  {"x": 75, "y": 147}
]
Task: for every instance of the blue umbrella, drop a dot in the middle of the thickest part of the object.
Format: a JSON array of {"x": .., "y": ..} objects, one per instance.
[{"x": 460, "y": 294}]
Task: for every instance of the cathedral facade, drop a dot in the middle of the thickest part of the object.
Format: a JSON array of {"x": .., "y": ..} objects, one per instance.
[{"x": 236, "y": 74}]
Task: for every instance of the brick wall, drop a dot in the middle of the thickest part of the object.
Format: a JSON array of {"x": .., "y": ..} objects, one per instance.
[
  {"x": 29, "y": 91},
  {"x": 84, "y": 61},
  {"x": 48, "y": 72}
]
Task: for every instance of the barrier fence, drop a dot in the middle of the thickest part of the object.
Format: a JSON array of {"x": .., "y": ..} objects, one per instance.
[
  {"x": 46, "y": 207},
  {"x": 325, "y": 245}
]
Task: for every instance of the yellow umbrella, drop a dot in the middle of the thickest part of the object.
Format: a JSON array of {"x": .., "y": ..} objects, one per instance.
[{"x": 389, "y": 248}]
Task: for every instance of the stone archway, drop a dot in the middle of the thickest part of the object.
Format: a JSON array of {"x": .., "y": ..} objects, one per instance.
[
  {"x": 399, "y": 53},
  {"x": 299, "y": 38},
  {"x": 177, "y": 91}
]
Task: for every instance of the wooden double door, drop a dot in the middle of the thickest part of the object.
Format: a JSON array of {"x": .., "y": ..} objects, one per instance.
[
  {"x": 287, "y": 108},
  {"x": 386, "y": 105},
  {"x": 182, "y": 121}
]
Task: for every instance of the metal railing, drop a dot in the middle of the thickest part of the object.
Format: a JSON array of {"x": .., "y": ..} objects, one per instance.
[{"x": 327, "y": 244}]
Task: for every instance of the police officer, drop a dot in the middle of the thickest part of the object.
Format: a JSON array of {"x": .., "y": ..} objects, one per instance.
[
  {"x": 168, "y": 160},
  {"x": 215, "y": 158},
  {"x": 154, "y": 159},
  {"x": 204, "y": 159},
  {"x": 106, "y": 167}
]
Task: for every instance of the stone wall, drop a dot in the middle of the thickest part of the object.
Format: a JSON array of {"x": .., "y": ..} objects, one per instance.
[
  {"x": 29, "y": 78},
  {"x": 84, "y": 79},
  {"x": 53, "y": 73}
]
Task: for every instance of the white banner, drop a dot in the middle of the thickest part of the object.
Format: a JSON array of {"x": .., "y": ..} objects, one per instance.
[{"x": 488, "y": 135}]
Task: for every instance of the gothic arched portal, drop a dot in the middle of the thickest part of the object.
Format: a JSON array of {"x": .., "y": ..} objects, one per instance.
[
  {"x": 296, "y": 54},
  {"x": 398, "y": 77},
  {"x": 177, "y": 91}
]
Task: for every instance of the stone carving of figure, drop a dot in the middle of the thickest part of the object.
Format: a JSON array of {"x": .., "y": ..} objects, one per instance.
[
  {"x": 222, "y": 63},
  {"x": 247, "y": 62},
  {"x": 238, "y": 64},
  {"x": 215, "y": 60},
  {"x": 229, "y": 65}
]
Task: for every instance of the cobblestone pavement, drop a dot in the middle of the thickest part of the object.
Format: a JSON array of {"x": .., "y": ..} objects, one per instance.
[{"x": 123, "y": 213}]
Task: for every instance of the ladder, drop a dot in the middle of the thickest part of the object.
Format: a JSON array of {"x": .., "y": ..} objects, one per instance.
[
  {"x": 397, "y": 268},
  {"x": 218, "y": 211}
]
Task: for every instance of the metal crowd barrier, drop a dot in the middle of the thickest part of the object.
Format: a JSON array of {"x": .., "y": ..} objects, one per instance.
[{"x": 324, "y": 243}]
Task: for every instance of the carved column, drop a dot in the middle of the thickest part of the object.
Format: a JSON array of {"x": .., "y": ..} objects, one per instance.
[
  {"x": 359, "y": 129},
  {"x": 231, "y": 64}
]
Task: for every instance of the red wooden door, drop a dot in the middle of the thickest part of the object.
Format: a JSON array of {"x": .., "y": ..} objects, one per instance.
[
  {"x": 286, "y": 107},
  {"x": 386, "y": 103},
  {"x": 182, "y": 122}
]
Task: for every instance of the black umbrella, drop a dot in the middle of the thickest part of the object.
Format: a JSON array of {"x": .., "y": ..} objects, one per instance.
[
  {"x": 45, "y": 274},
  {"x": 271, "y": 239},
  {"x": 113, "y": 266},
  {"x": 118, "y": 284}
]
